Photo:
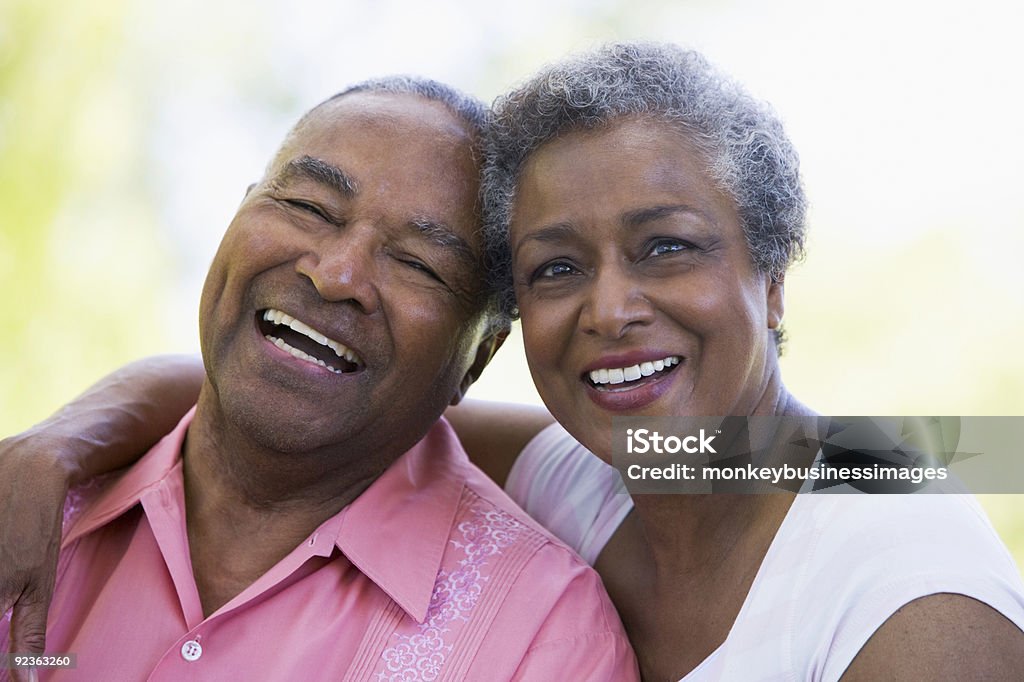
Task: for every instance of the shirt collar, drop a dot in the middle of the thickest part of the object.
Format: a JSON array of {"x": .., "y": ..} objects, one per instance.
[
  {"x": 395, "y": 532},
  {"x": 126, "y": 491}
]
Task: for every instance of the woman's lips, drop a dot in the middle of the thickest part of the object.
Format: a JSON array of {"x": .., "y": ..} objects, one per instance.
[
  {"x": 614, "y": 388},
  {"x": 618, "y": 375}
]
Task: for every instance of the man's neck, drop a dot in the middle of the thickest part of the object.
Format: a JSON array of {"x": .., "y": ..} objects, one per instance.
[{"x": 247, "y": 506}]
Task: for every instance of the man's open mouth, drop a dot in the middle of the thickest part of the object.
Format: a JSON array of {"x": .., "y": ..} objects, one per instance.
[
  {"x": 305, "y": 343},
  {"x": 619, "y": 378}
]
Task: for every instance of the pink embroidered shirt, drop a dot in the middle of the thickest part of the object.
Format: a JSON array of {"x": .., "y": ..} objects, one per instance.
[{"x": 431, "y": 574}]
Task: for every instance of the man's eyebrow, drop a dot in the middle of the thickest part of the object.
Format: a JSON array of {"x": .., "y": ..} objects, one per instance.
[
  {"x": 319, "y": 171},
  {"x": 646, "y": 215},
  {"x": 444, "y": 236}
]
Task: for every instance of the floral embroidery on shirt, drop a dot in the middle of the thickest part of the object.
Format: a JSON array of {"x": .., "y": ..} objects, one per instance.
[
  {"x": 79, "y": 498},
  {"x": 421, "y": 656}
]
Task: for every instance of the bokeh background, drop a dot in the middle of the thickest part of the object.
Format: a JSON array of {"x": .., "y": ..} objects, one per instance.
[{"x": 129, "y": 130}]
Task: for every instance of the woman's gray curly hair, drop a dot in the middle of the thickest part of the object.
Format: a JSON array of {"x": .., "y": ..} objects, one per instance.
[{"x": 742, "y": 138}]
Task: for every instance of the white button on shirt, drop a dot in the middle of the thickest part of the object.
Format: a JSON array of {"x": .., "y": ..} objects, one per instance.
[{"x": 191, "y": 650}]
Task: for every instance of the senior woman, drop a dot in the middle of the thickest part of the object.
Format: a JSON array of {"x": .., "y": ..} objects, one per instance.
[
  {"x": 642, "y": 211},
  {"x": 648, "y": 210}
]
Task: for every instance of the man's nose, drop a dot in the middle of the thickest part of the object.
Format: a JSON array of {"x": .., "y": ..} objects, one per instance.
[
  {"x": 615, "y": 303},
  {"x": 343, "y": 267}
]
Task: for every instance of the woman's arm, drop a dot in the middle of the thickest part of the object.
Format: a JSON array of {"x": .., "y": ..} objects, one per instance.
[
  {"x": 942, "y": 637},
  {"x": 116, "y": 420},
  {"x": 494, "y": 434},
  {"x": 108, "y": 427}
]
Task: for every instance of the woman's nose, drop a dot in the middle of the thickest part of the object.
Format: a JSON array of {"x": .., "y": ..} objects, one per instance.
[{"x": 615, "y": 303}]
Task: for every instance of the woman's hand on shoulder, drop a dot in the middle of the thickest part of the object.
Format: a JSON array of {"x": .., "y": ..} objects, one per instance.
[
  {"x": 108, "y": 427},
  {"x": 33, "y": 485},
  {"x": 942, "y": 637}
]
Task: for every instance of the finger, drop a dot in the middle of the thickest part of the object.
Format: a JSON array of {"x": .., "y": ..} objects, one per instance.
[{"x": 28, "y": 623}]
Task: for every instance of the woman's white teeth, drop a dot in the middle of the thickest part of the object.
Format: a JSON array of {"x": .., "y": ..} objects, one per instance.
[
  {"x": 633, "y": 372},
  {"x": 279, "y": 318},
  {"x": 299, "y": 354}
]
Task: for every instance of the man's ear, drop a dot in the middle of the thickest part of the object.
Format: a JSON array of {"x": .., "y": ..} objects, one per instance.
[
  {"x": 484, "y": 352},
  {"x": 776, "y": 301}
]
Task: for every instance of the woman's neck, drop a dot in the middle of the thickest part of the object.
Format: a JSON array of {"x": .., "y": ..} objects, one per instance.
[
  {"x": 693, "y": 561},
  {"x": 688, "y": 561}
]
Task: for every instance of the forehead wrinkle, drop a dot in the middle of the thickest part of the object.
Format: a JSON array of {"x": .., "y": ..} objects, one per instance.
[
  {"x": 319, "y": 171},
  {"x": 640, "y": 216}
]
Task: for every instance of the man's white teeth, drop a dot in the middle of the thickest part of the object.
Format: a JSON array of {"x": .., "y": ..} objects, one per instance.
[
  {"x": 299, "y": 354},
  {"x": 342, "y": 351},
  {"x": 633, "y": 372}
]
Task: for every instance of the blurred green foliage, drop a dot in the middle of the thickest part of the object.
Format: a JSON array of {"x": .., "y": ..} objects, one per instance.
[{"x": 65, "y": 141}]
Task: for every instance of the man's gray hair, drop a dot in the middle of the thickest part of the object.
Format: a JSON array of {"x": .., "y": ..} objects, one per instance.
[
  {"x": 742, "y": 139},
  {"x": 466, "y": 107}
]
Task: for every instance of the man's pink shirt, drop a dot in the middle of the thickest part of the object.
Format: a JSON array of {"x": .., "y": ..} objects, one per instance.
[{"x": 431, "y": 574}]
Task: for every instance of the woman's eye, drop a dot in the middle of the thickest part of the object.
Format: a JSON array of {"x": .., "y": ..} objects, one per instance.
[
  {"x": 556, "y": 269},
  {"x": 666, "y": 246}
]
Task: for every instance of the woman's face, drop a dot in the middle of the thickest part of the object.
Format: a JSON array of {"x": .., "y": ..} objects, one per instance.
[{"x": 637, "y": 292}]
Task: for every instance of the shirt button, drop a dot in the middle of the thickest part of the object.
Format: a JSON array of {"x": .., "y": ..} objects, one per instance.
[{"x": 191, "y": 650}]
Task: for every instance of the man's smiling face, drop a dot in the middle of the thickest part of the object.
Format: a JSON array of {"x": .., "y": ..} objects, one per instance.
[{"x": 345, "y": 304}]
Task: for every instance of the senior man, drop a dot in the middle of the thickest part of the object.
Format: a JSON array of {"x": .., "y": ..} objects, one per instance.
[{"x": 312, "y": 519}]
